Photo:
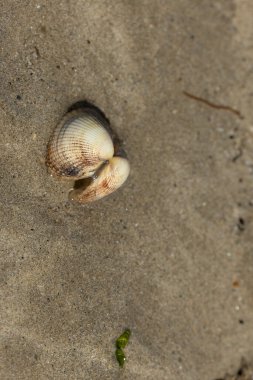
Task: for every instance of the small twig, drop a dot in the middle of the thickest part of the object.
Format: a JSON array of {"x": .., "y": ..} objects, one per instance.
[
  {"x": 213, "y": 105},
  {"x": 238, "y": 155}
]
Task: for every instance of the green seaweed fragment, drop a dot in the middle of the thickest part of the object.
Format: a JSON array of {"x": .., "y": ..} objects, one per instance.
[
  {"x": 121, "y": 342},
  {"x": 123, "y": 339},
  {"x": 120, "y": 356}
]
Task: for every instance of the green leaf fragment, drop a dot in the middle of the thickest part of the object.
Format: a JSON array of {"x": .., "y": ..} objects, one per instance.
[
  {"x": 123, "y": 339},
  {"x": 120, "y": 356},
  {"x": 121, "y": 342}
]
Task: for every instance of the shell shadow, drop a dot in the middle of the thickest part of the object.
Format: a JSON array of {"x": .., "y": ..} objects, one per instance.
[{"x": 84, "y": 104}]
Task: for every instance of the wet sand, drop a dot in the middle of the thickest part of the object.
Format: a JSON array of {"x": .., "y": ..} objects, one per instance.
[{"x": 170, "y": 254}]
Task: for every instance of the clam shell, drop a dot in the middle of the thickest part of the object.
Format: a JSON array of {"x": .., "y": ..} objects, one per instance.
[
  {"x": 111, "y": 176},
  {"x": 80, "y": 144}
]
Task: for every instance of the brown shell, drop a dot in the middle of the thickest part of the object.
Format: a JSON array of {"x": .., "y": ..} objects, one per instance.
[{"x": 110, "y": 178}]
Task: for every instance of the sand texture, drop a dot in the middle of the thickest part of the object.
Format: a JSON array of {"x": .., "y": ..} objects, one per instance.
[{"x": 169, "y": 255}]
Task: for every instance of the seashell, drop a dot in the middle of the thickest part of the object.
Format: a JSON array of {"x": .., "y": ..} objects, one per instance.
[
  {"x": 85, "y": 149},
  {"x": 111, "y": 176},
  {"x": 79, "y": 145}
]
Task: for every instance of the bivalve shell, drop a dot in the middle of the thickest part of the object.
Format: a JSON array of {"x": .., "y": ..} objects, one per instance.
[
  {"x": 109, "y": 179},
  {"x": 79, "y": 146},
  {"x": 83, "y": 148}
]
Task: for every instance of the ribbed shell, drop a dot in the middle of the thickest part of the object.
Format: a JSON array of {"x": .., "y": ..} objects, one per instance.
[
  {"x": 79, "y": 146},
  {"x": 111, "y": 177}
]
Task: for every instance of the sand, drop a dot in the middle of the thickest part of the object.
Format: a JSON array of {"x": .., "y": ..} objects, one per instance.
[{"x": 170, "y": 254}]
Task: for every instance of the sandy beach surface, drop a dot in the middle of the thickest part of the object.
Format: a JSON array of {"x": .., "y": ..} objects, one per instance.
[{"x": 170, "y": 254}]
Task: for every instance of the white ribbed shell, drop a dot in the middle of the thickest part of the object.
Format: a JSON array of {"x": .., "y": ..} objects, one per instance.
[
  {"x": 111, "y": 177},
  {"x": 79, "y": 146}
]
